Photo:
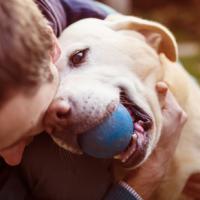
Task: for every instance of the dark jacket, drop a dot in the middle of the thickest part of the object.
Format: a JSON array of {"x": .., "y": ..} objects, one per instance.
[
  {"x": 48, "y": 172},
  {"x": 62, "y": 13}
]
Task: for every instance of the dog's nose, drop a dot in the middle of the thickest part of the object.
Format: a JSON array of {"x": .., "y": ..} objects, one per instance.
[{"x": 57, "y": 113}]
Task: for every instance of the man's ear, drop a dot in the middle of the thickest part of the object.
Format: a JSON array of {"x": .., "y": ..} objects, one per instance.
[
  {"x": 56, "y": 51},
  {"x": 157, "y": 36}
]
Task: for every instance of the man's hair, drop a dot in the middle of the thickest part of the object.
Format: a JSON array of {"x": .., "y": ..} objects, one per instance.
[{"x": 25, "y": 46}]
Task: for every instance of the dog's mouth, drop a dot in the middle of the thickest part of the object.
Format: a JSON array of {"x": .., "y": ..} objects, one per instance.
[{"x": 137, "y": 148}]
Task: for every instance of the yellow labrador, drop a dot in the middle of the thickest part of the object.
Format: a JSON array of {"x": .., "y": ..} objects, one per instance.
[{"x": 120, "y": 59}]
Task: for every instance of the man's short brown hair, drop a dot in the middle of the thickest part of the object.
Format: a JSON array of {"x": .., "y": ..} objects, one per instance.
[{"x": 25, "y": 45}]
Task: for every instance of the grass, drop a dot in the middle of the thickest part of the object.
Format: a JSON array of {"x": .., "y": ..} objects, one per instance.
[
  {"x": 192, "y": 65},
  {"x": 184, "y": 32}
]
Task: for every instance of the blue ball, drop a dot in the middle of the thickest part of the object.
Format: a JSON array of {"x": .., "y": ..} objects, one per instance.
[{"x": 109, "y": 138}]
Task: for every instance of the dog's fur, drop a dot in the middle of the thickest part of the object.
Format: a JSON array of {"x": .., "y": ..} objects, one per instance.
[{"x": 133, "y": 54}]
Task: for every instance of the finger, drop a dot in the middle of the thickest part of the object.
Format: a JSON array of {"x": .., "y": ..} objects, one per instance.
[
  {"x": 183, "y": 117},
  {"x": 169, "y": 103},
  {"x": 173, "y": 110},
  {"x": 174, "y": 119},
  {"x": 162, "y": 88}
]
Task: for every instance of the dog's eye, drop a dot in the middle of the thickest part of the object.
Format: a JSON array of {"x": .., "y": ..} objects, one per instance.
[{"x": 78, "y": 57}]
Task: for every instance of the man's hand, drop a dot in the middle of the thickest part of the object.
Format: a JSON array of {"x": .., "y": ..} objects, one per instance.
[{"x": 146, "y": 179}]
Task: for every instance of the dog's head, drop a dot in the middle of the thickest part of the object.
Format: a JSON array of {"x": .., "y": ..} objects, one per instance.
[{"x": 104, "y": 63}]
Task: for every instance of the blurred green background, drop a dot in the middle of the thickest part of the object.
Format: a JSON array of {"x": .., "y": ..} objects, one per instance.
[{"x": 182, "y": 17}]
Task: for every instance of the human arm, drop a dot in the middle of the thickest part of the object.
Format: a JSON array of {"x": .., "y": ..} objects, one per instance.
[
  {"x": 62, "y": 13},
  {"x": 153, "y": 170}
]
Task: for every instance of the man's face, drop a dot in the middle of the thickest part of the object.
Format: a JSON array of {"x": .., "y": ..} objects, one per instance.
[{"x": 21, "y": 118}]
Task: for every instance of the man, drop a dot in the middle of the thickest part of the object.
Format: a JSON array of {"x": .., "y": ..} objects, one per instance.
[
  {"x": 27, "y": 33},
  {"x": 29, "y": 80}
]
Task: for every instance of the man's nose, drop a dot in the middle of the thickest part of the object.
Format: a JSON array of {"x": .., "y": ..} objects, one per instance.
[{"x": 58, "y": 113}]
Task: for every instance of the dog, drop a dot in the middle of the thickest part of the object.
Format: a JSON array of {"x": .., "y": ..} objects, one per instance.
[{"x": 120, "y": 59}]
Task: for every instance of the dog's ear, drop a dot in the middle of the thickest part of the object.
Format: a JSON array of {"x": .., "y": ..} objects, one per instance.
[{"x": 157, "y": 36}]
